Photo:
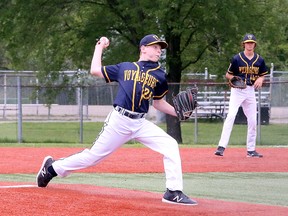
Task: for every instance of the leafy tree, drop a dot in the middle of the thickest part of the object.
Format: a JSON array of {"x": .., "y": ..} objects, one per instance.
[{"x": 55, "y": 35}]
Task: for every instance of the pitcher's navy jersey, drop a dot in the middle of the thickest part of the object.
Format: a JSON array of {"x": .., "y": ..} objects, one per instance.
[
  {"x": 138, "y": 83},
  {"x": 248, "y": 70}
]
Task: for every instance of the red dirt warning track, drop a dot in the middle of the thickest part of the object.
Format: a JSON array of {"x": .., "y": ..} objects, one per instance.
[{"x": 65, "y": 199}]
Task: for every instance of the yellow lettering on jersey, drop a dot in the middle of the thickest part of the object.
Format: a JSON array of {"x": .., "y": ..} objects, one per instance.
[
  {"x": 127, "y": 74},
  {"x": 134, "y": 75},
  {"x": 249, "y": 70},
  {"x": 147, "y": 94},
  {"x": 143, "y": 76},
  {"x": 138, "y": 78},
  {"x": 151, "y": 81}
]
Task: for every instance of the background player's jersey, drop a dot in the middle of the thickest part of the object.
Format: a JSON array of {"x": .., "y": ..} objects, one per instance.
[
  {"x": 248, "y": 70},
  {"x": 138, "y": 83}
]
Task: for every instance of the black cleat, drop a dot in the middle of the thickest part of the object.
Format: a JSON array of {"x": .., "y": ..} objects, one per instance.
[
  {"x": 220, "y": 151},
  {"x": 43, "y": 176},
  {"x": 177, "y": 197},
  {"x": 254, "y": 154}
]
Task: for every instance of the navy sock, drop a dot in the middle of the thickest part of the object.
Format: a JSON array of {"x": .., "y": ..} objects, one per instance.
[{"x": 52, "y": 171}]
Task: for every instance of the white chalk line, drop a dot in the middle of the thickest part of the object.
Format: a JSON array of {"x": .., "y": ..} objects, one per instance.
[{"x": 18, "y": 186}]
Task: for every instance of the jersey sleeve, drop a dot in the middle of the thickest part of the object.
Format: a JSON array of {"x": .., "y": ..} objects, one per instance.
[
  {"x": 233, "y": 67},
  {"x": 110, "y": 72},
  {"x": 263, "y": 70},
  {"x": 161, "y": 89}
]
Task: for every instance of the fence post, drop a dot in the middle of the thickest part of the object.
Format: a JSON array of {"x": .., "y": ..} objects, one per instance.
[
  {"x": 19, "y": 103},
  {"x": 271, "y": 81},
  {"x": 5, "y": 96},
  {"x": 196, "y": 127},
  {"x": 80, "y": 108},
  {"x": 205, "y": 87}
]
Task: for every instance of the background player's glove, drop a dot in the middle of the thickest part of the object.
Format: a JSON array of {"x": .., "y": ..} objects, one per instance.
[
  {"x": 237, "y": 82},
  {"x": 185, "y": 102}
]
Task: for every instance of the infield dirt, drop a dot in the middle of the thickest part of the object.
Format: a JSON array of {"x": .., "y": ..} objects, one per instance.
[{"x": 67, "y": 199}]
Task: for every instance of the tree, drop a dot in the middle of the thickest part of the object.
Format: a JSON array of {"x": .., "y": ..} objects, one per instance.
[{"x": 49, "y": 36}]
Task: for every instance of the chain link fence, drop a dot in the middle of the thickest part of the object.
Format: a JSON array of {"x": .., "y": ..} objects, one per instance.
[{"x": 88, "y": 102}]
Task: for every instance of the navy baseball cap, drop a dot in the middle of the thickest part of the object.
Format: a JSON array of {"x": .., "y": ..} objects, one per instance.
[
  {"x": 153, "y": 39},
  {"x": 249, "y": 38}
]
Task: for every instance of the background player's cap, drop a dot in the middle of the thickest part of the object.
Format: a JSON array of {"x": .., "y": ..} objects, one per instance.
[
  {"x": 249, "y": 38},
  {"x": 153, "y": 39}
]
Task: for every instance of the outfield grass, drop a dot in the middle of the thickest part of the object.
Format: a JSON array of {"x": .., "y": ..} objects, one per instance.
[
  {"x": 261, "y": 188},
  {"x": 68, "y": 132}
]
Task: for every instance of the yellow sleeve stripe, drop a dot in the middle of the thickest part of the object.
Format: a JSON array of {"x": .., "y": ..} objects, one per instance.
[
  {"x": 105, "y": 74},
  {"x": 161, "y": 96},
  {"x": 265, "y": 73}
]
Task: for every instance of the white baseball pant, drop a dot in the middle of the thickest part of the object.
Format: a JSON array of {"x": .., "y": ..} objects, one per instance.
[
  {"x": 246, "y": 98},
  {"x": 119, "y": 129}
]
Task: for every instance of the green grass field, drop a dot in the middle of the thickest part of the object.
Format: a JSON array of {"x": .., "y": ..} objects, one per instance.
[
  {"x": 261, "y": 188},
  {"x": 68, "y": 132}
]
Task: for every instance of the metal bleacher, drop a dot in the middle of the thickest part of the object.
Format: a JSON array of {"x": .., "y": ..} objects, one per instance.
[{"x": 214, "y": 104}]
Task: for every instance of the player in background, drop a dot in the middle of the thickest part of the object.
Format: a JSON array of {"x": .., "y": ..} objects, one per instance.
[
  {"x": 251, "y": 67},
  {"x": 139, "y": 82}
]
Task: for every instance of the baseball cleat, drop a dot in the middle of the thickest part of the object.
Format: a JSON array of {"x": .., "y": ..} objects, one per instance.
[
  {"x": 254, "y": 154},
  {"x": 43, "y": 176},
  {"x": 177, "y": 197},
  {"x": 220, "y": 151}
]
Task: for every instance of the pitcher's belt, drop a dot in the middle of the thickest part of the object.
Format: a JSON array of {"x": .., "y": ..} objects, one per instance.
[{"x": 128, "y": 113}]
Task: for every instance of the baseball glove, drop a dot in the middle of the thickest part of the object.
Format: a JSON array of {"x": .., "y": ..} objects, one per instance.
[
  {"x": 237, "y": 82},
  {"x": 185, "y": 102}
]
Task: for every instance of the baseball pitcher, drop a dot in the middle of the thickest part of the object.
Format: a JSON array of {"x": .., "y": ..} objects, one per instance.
[{"x": 139, "y": 82}]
